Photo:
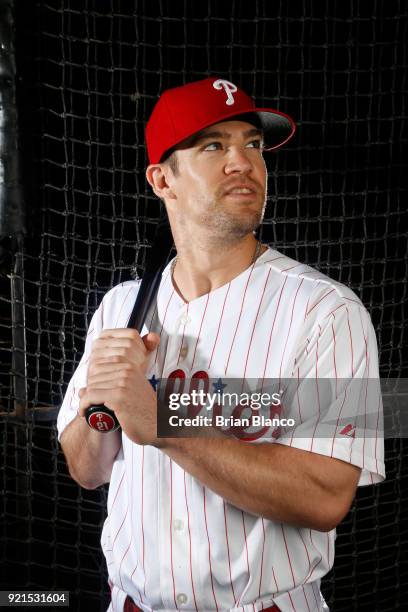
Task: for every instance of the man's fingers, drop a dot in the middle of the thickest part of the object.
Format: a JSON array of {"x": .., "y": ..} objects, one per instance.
[
  {"x": 118, "y": 351},
  {"x": 125, "y": 332},
  {"x": 106, "y": 366},
  {"x": 151, "y": 341},
  {"x": 111, "y": 379},
  {"x": 111, "y": 342}
]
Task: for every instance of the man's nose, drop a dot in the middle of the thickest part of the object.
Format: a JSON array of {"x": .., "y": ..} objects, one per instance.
[{"x": 237, "y": 161}]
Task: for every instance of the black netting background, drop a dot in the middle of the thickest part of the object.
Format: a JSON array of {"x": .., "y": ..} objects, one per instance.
[{"x": 89, "y": 75}]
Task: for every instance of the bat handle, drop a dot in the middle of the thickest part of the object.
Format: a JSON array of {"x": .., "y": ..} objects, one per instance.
[{"x": 102, "y": 419}]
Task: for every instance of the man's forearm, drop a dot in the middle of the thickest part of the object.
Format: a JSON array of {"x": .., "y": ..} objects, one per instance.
[
  {"x": 271, "y": 480},
  {"x": 89, "y": 454}
]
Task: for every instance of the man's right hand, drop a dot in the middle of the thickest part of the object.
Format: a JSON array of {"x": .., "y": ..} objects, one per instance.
[{"x": 116, "y": 378}]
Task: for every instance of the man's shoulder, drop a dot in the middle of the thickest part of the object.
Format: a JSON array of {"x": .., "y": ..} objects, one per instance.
[
  {"x": 321, "y": 291},
  {"x": 118, "y": 291},
  {"x": 118, "y": 302}
]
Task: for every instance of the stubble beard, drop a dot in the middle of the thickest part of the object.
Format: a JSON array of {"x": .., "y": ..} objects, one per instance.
[{"x": 224, "y": 227}]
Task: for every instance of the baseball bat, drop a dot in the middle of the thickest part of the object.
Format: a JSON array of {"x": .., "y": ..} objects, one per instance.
[{"x": 100, "y": 417}]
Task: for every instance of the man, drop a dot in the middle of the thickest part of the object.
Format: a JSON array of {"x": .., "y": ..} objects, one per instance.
[{"x": 216, "y": 523}]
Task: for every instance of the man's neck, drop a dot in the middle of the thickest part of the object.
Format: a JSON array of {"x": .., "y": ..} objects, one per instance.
[{"x": 199, "y": 270}]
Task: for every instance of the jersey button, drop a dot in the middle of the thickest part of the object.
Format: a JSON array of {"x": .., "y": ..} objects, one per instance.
[
  {"x": 178, "y": 525},
  {"x": 183, "y": 351},
  {"x": 181, "y": 598}
]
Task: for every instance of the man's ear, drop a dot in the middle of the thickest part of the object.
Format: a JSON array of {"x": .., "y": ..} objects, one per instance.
[{"x": 157, "y": 176}]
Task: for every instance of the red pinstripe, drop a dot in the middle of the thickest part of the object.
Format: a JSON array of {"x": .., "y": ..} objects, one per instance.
[
  {"x": 304, "y": 595},
  {"x": 239, "y": 318},
  {"x": 308, "y": 559},
  {"x": 120, "y": 309},
  {"x": 137, "y": 560},
  {"x": 367, "y": 356},
  {"x": 292, "y": 267},
  {"x": 246, "y": 552},
  {"x": 291, "y": 601},
  {"x": 254, "y": 325},
  {"x": 320, "y": 300},
  {"x": 317, "y": 386},
  {"x": 228, "y": 552},
  {"x": 288, "y": 555},
  {"x": 274, "y": 259},
  {"x": 171, "y": 533},
  {"x": 131, "y": 577},
  {"x": 142, "y": 521},
  {"x": 262, "y": 556},
  {"x": 199, "y": 331},
  {"x": 153, "y": 315},
  {"x": 312, "y": 569},
  {"x": 137, "y": 563},
  {"x": 314, "y": 595},
  {"x": 365, "y": 419},
  {"x": 307, "y": 308},
  {"x": 273, "y": 325},
  {"x": 120, "y": 528},
  {"x": 351, "y": 344},
  {"x": 297, "y": 395},
  {"x": 367, "y": 368},
  {"x": 334, "y": 356},
  {"x": 275, "y": 581},
  {"x": 305, "y": 547},
  {"x": 298, "y": 405},
  {"x": 345, "y": 391},
  {"x": 219, "y": 325},
  {"x": 290, "y": 326},
  {"x": 209, "y": 550},
  {"x": 335, "y": 309},
  {"x": 182, "y": 338},
  {"x": 131, "y": 524},
  {"x": 189, "y": 537},
  {"x": 162, "y": 325},
  {"x": 117, "y": 491},
  {"x": 338, "y": 420},
  {"x": 376, "y": 432}
]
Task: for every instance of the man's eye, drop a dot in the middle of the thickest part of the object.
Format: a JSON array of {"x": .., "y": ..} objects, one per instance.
[
  {"x": 255, "y": 144},
  {"x": 212, "y": 146}
]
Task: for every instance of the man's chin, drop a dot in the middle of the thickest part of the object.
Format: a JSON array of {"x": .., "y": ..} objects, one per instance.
[{"x": 229, "y": 227}]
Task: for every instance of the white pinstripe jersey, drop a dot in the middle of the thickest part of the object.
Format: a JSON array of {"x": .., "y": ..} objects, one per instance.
[{"x": 170, "y": 542}]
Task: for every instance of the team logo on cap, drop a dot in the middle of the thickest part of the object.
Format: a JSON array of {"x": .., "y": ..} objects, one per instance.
[{"x": 229, "y": 89}]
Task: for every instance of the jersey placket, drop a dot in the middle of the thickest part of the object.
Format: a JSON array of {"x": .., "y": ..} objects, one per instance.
[{"x": 176, "y": 571}]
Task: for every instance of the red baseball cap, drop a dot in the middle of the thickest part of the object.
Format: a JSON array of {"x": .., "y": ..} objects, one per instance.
[{"x": 183, "y": 111}]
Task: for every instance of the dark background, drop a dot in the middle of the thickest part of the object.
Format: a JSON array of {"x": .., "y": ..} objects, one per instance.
[{"x": 88, "y": 75}]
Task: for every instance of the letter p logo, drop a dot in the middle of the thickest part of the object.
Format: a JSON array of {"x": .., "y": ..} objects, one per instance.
[{"x": 229, "y": 89}]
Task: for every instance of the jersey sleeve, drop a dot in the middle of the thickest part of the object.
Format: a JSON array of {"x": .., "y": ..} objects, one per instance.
[
  {"x": 334, "y": 396},
  {"x": 113, "y": 312},
  {"x": 70, "y": 404}
]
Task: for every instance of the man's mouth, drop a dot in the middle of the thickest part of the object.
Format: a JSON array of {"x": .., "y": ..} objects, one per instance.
[{"x": 240, "y": 190}]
